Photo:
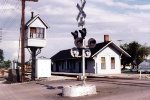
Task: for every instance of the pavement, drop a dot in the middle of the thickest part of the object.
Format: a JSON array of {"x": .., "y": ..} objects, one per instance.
[
  {"x": 110, "y": 87},
  {"x": 107, "y": 89}
]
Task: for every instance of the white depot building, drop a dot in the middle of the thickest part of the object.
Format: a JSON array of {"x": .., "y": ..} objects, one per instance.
[{"x": 105, "y": 59}]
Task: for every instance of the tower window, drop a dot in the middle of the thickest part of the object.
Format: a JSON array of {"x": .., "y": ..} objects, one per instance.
[{"x": 36, "y": 32}]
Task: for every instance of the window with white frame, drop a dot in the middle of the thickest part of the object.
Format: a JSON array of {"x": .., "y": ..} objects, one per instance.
[
  {"x": 40, "y": 32},
  {"x": 103, "y": 63},
  {"x": 112, "y": 62},
  {"x": 36, "y": 32}
]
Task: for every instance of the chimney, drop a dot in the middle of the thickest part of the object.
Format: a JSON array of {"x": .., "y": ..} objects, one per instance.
[
  {"x": 32, "y": 15},
  {"x": 106, "y": 38}
]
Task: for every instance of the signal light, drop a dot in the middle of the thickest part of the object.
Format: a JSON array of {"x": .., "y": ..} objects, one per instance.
[
  {"x": 83, "y": 32},
  {"x": 91, "y": 43},
  {"x": 78, "y": 42},
  {"x": 75, "y": 34}
]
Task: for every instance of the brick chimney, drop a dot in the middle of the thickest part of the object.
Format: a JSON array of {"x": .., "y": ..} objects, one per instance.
[
  {"x": 106, "y": 38},
  {"x": 32, "y": 15}
]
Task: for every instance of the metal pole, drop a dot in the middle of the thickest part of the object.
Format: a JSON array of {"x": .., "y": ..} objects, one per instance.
[
  {"x": 22, "y": 41},
  {"x": 83, "y": 54},
  {"x": 83, "y": 62}
]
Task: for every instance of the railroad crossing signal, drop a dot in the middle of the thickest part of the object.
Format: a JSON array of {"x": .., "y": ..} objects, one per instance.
[
  {"x": 74, "y": 52},
  {"x": 81, "y": 22},
  {"x": 80, "y": 8},
  {"x": 78, "y": 42},
  {"x": 81, "y": 16},
  {"x": 91, "y": 43},
  {"x": 83, "y": 33},
  {"x": 75, "y": 34}
]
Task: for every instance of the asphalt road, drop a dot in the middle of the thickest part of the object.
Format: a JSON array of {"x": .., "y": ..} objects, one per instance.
[{"x": 107, "y": 89}]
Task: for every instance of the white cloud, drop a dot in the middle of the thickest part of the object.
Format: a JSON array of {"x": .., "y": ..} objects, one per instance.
[
  {"x": 129, "y": 23},
  {"x": 10, "y": 49},
  {"x": 120, "y": 4}
]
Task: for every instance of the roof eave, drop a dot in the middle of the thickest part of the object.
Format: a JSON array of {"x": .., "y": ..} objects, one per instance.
[
  {"x": 37, "y": 16},
  {"x": 101, "y": 49},
  {"x": 122, "y": 51}
]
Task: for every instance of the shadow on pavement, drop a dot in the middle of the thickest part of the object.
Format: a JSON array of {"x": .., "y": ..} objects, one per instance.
[{"x": 50, "y": 87}]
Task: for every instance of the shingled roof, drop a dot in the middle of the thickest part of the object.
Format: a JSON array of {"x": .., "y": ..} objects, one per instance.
[{"x": 65, "y": 54}]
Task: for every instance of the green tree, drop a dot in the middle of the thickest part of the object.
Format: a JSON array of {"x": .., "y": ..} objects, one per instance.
[
  {"x": 5, "y": 64},
  {"x": 125, "y": 61},
  {"x": 1, "y": 55},
  {"x": 137, "y": 51}
]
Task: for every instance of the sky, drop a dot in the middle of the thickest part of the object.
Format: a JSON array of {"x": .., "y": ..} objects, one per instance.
[{"x": 126, "y": 20}]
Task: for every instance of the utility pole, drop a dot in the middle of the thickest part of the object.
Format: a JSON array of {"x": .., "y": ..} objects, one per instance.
[
  {"x": 22, "y": 41},
  {"x": 1, "y": 32},
  {"x": 23, "y": 38}
]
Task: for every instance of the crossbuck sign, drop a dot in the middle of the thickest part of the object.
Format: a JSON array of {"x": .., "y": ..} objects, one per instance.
[{"x": 81, "y": 12}]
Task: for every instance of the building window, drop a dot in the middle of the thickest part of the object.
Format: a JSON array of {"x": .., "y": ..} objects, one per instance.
[
  {"x": 112, "y": 62},
  {"x": 32, "y": 32},
  {"x": 36, "y": 32},
  {"x": 40, "y": 32},
  {"x": 103, "y": 63}
]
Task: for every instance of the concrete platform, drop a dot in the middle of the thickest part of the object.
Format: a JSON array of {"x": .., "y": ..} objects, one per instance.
[{"x": 78, "y": 90}]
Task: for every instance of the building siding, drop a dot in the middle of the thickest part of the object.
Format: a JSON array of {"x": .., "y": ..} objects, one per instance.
[
  {"x": 93, "y": 65},
  {"x": 108, "y": 53}
]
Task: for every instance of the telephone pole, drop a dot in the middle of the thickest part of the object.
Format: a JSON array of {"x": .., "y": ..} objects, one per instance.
[
  {"x": 1, "y": 34},
  {"x": 23, "y": 39}
]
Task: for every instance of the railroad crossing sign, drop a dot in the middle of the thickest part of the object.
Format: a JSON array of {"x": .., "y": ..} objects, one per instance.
[{"x": 81, "y": 14}]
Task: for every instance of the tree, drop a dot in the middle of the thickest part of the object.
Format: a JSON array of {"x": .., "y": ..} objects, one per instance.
[
  {"x": 5, "y": 64},
  {"x": 137, "y": 51},
  {"x": 125, "y": 61},
  {"x": 1, "y": 55}
]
